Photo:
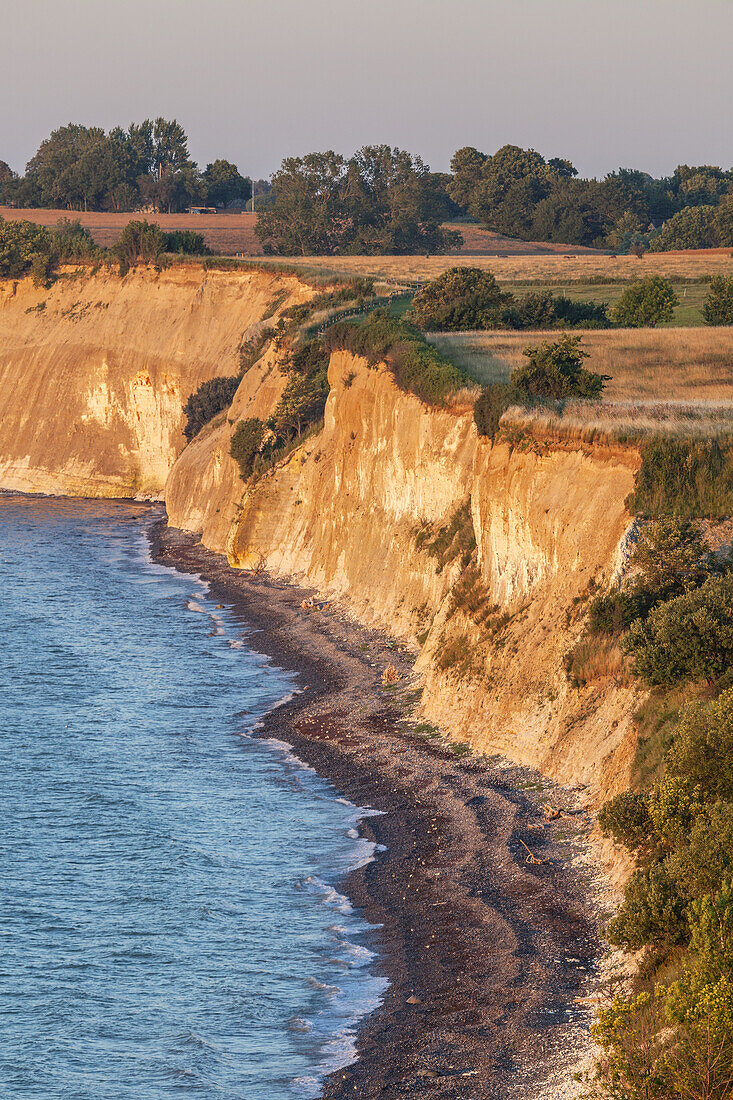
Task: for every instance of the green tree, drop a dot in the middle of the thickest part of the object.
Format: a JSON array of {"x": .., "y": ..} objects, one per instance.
[
  {"x": 25, "y": 248},
  {"x": 305, "y": 216},
  {"x": 687, "y": 638},
  {"x": 391, "y": 200},
  {"x": 718, "y": 306},
  {"x": 645, "y": 303},
  {"x": 140, "y": 242},
  {"x": 224, "y": 184},
  {"x": 691, "y": 227},
  {"x": 702, "y": 750},
  {"x": 488, "y": 409},
  {"x": 670, "y": 555},
  {"x": 460, "y": 298},
  {"x": 555, "y": 370}
]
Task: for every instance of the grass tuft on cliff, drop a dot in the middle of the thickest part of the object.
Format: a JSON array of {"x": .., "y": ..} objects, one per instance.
[{"x": 417, "y": 366}]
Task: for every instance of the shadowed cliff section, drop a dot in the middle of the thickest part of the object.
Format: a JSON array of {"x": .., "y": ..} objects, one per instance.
[
  {"x": 483, "y": 556},
  {"x": 94, "y": 370}
]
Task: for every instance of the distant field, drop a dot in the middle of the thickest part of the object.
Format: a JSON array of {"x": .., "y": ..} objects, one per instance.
[
  {"x": 225, "y": 234},
  {"x": 228, "y": 234},
  {"x": 558, "y": 269},
  {"x": 680, "y": 364}
]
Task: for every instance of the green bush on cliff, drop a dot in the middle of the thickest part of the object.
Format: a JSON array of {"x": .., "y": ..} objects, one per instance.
[
  {"x": 211, "y": 398},
  {"x": 246, "y": 443},
  {"x": 25, "y": 248},
  {"x": 686, "y": 638},
  {"x": 417, "y": 366}
]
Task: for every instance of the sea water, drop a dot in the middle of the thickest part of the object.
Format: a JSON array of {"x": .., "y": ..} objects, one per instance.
[{"x": 169, "y": 918}]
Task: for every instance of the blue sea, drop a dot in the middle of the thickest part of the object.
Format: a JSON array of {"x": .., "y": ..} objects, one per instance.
[{"x": 169, "y": 919}]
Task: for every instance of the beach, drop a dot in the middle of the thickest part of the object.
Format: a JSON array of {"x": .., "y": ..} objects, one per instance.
[{"x": 482, "y": 896}]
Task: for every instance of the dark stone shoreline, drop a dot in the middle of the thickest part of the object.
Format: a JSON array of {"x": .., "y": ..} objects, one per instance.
[{"x": 485, "y": 953}]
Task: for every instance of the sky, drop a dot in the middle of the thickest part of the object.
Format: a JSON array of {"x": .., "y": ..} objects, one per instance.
[{"x": 607, "y": 83}]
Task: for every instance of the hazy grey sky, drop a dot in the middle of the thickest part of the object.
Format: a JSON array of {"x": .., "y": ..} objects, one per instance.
[{"x": 607, "y": 83}]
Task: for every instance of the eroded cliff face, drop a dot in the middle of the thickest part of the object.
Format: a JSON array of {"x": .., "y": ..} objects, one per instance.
[
  {"x": 355, "y": 512},
  {"x": 94, "y": 370}
]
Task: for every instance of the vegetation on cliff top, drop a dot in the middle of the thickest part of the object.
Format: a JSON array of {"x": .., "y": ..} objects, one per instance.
[{"x": 417, "y": 366}]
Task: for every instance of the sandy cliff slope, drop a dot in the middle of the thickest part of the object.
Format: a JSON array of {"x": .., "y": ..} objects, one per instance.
[
  {"x": 94, "y": 370},
  {"x": 353, "y": 511}
]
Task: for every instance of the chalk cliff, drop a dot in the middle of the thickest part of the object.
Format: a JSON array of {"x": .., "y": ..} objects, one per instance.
[
  {"x": 355, "y": 511},
  {"x": 482, "y": 557},
  {"x": 95, "y": 369}
]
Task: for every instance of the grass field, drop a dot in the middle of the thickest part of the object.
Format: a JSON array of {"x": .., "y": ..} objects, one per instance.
[{"x": 661, "y": 379}]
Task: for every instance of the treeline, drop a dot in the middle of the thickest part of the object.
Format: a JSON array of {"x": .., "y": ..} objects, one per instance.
[
  {"x": 147, "y": 165},
  {"x": 519, "y": 193},
  {"x": 382, "y": 199}
]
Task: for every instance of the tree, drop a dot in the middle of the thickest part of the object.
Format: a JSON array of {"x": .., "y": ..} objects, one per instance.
[
  {"x": 224, "y": 185},
  {"x": 381, "y": 201},
  {"x": 692, "y": 227},
  {"x": 718, "y": 306},
  {"x": 140, "y": 242},
  {"x": 392, "y": 201},
  {"x": 702, "y": 749},
  {"x": 24, "y": 247},
  {"x": 306, "y": 215},
  {"x": 555, "y": 370},
  {"x": 645, "y": 303},
  {"x": 670, "y": 556},
  {"x": 6, "y": 172},
  {"x": 460, "y": 298}
]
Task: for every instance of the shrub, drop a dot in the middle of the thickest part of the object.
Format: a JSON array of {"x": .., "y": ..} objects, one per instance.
[
  {"x": 683, "y": 477},
  {"x": 631, "y": 1065},
  {"x": 702, "y": 748},
  {"x": 613, "y": 612},
  {"x": 706, "y": 859},
  {"x": 645, "y": 303},
  {"x": 24, "y": 248},
  {"x": 555, "y": 370},
  {"x": 652, "y": 911},
  {"x": 140, "y": 242},
  {"x": 246, "y": 443},
  {"x": 670, "y": 556},
  {"x": 686, "y": 638},
  {"x": 460, "y": 298},
  {"x": 718, "y": 306},
  {"x": 489, "y": 407},
  {"x": 71, "y": 241},
  {"x": 544, "y": 310},
  {"x": 674, "y": 804},
  {"x": 207, "y": 401},
  {"x": 417, "y": 366},
  {"x": 626, "y": 819},
  {"x": 185, "y": 242}
]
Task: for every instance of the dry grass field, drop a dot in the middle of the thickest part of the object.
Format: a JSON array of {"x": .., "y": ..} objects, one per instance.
[
  {"x": 661, "y": 379},
  {"x": 225, "y": 234},
  {"x": 557, "y": 269}
]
